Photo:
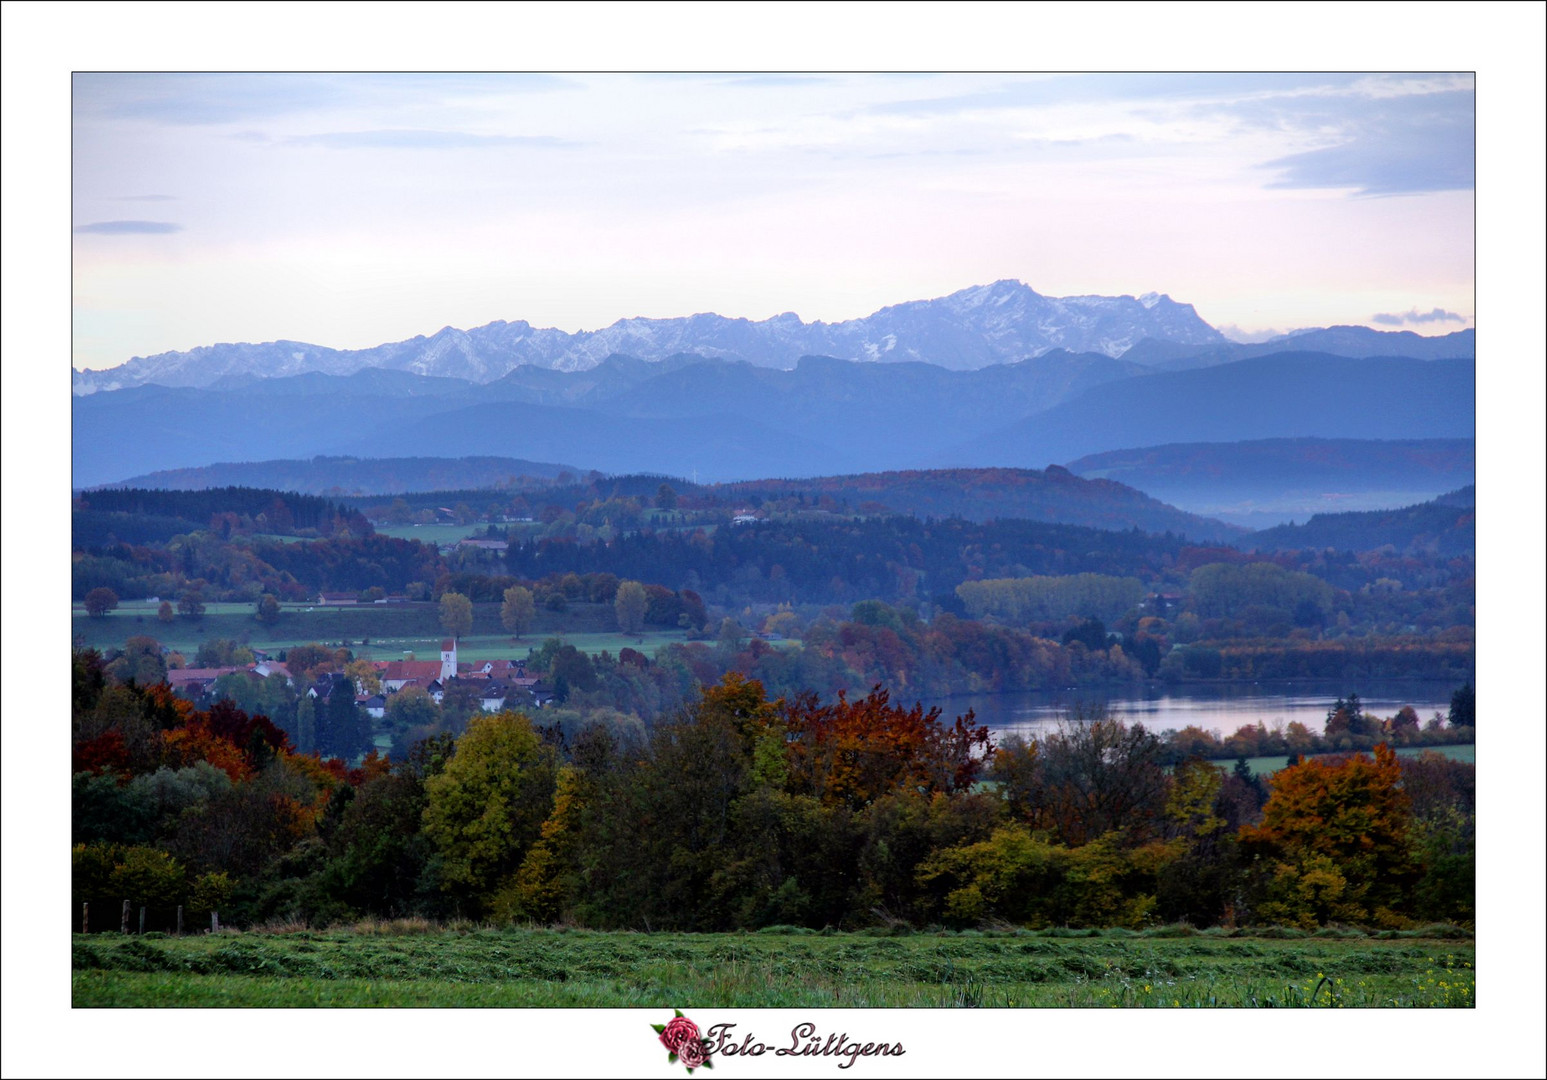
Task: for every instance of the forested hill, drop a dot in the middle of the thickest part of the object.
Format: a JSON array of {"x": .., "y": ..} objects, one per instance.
[
  {"x": 1052, "y": 495},
  {"x": 1444, "y": 526},
  {"x": 847, "y": 560},
  {"x": 140, "y": 516}
]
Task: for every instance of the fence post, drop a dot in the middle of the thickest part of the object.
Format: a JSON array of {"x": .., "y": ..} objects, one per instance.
[
  {"x": 179, "y": 920},
  {"x": 123, "y": 923},
  {"x": 214, "y": 922},
  {"x": 142, "y": 920},
  {"x": 83, "y": 917}
]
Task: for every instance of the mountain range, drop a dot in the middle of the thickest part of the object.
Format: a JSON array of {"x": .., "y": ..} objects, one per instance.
[
  {"x": 988, "y": 324},
  {"x": 985, "y": 325}
]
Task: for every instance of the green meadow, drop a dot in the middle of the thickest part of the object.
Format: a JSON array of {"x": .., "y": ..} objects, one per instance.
[
  {"x": 1272, "y": 764},
  {"x": 412, "y": 963},
  {"x": 379, "y": 631}
]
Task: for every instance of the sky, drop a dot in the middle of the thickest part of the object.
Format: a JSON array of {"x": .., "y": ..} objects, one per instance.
[{"x": 348, "y": 210}]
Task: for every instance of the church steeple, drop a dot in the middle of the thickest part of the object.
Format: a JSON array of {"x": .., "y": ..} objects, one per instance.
[{"x": 448, "y": 659}]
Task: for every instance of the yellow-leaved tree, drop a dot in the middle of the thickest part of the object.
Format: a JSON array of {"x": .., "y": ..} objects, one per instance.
[{"x": 486, "y": 809}]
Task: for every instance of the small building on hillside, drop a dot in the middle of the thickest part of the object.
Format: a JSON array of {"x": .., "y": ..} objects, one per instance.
[
  {"x": 196, "y": 682},
  {"x": 267, "y": 667},
  {"x": 328, "y": 684},
  {"x": 494, "y": 696}
]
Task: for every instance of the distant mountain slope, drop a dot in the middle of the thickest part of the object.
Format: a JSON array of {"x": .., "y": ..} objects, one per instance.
[
  {"x": 872, "y": 415},
  {"x": 1288, "y": 395},
  {"x": 837, "y": 415},
  {"x": 338, "y": 476},
  {"x": 973, "y": 328},
  {"x": 729, "y": 420},
  {"x": 1263, "y": 482},
  {"x": 1361, "y": 341},
  {"x": 1445, "y": 526},
  {"x": 151, "y": 428},
  {"x": 1352, "y": 341},
  {"x": 713, "y": 446}
]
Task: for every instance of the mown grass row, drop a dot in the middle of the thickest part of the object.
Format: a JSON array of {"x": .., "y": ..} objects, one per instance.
[{"x": 547, "y": 968}]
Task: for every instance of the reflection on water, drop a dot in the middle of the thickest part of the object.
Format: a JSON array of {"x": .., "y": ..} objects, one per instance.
[{"x": 1212, "y": 707}]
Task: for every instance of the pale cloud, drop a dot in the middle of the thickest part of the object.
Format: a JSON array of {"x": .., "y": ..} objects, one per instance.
[
  {"x": 1416, "y": 143},
  {"x": 128, "y": 228},
  {"x": 1418, "y": 318}
]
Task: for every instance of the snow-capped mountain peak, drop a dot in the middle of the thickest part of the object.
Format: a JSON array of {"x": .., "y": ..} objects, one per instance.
[{"x": 1002, "y": 322}]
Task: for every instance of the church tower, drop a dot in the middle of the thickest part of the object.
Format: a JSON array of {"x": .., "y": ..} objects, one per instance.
[{"x": 448, "y": 659}]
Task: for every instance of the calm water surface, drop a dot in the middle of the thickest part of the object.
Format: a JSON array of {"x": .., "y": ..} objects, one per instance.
[{"x": 1212, "y": 707}]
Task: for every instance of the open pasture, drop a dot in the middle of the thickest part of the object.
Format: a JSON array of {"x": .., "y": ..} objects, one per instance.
[{"x": 410, "y": 963}]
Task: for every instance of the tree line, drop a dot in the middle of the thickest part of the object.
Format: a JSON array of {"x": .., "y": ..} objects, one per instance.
[{"x": 742, "y": 811}]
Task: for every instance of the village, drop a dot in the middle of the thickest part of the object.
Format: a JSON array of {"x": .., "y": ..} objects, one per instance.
[{"x": 496, "y": 685}]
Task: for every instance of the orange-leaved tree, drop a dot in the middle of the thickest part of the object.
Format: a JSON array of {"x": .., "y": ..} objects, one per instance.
[
  {"x": 854, "y": 752},
  {"x": 1334, "y": 843}
]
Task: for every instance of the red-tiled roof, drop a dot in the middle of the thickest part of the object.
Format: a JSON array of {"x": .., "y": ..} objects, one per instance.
[
  {"x": 448, "y": 644},
  {"x": 412, "y": 669}
]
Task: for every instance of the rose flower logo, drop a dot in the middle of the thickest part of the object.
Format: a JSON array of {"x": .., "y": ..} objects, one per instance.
[{"x": 683, "y": 1042}]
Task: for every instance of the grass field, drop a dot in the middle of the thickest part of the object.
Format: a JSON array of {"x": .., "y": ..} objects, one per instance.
[
  {"x": 413, "y": 964},
  {"x": 1260, "y": 765},
  {"x": 433, "y": 534},
  {"x": 380, "y": 631}
]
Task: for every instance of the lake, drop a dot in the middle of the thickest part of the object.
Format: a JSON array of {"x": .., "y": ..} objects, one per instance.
[{"x": 1212, "y": 707}]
